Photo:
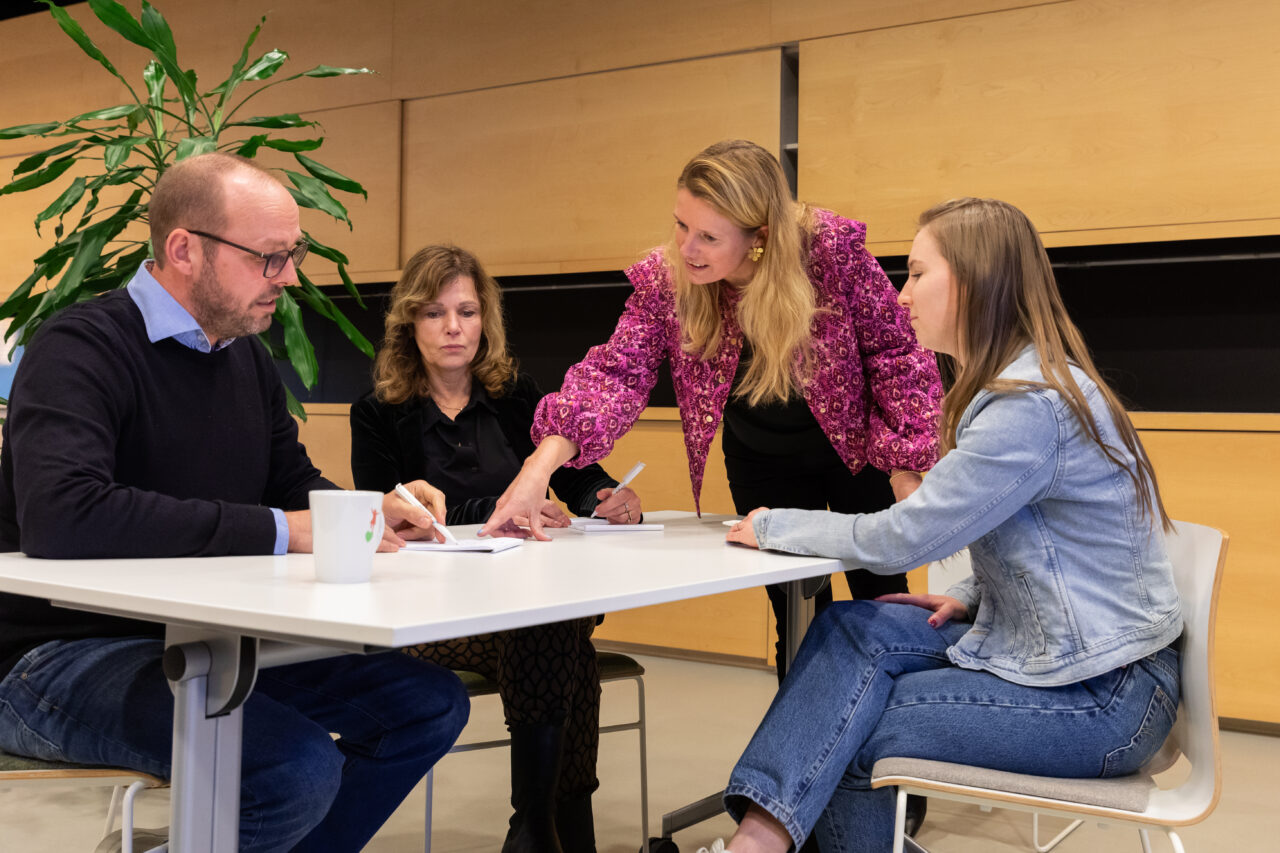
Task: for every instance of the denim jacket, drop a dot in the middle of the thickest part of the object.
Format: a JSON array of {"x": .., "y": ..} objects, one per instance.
[{"x": 1070, "y": 579}]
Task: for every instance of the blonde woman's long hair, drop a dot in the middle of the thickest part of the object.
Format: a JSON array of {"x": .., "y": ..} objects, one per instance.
[
  {"x": 399, "y": 373},
  {"x": 745, "y": 184},
  {"x": 1006, "y": 298}
]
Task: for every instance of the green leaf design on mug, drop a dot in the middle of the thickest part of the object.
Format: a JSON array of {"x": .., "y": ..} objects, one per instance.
[{"x": 368, "y": 535}]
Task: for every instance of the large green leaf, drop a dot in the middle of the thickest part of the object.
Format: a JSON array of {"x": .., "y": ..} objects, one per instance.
[
  {"x": 70, "y": 196},
  {"x": 331, "y": 71},
  {"x": 35, "y": 161},
  {"x": 334, "y": 179},
  {"x": 38, "y": 179},
  {"x": 224, "y": 89},
  {"x": 323, "y": 305},
  {"x": 118, "y": 18},
  {"x": 20, "y": 130},
  {"x": 194, "y": 145},
  {"x": 266, "y": 65},
  {"x": 332, "y": 254},
  {"x": 260, "y": 140},
  {"x": 301, "y": 354},
  {"x": 77, "y": 34},
  {"x": 157, "y": 29},
  {"x": 119, "y": 150},
  {"x": 273, "y": 122},
  {"x": 311, "y": 193},
  {"x": 104, "y": 114}
]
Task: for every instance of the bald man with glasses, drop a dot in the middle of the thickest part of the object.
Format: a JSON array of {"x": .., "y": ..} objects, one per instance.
[{"x": 151, "y": 422}]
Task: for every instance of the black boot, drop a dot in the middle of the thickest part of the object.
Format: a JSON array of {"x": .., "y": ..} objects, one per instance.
[
  {"x": 576, "y": 825},
  {"x": 916, "y": 807},
  {"x": 535, "y": 773}
]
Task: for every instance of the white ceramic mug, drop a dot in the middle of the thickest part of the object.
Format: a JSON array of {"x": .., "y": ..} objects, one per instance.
[{"x": 346, "y": 528}]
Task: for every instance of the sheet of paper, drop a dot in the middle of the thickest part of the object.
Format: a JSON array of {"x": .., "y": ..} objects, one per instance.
[
  {"x": 606, "y": 527},
  {"x": 485, "y": 545}
]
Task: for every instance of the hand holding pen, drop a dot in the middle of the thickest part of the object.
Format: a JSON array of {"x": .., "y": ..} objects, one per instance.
[
  {"x": 620, "y": 504},
  {"x": 409, "y": 498}
]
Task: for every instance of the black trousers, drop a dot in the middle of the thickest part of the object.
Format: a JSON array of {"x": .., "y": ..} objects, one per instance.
[{"x": 811, "y": 481}]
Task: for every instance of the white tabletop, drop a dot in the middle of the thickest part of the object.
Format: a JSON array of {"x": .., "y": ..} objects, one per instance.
[{"x": 417, "y": 597}]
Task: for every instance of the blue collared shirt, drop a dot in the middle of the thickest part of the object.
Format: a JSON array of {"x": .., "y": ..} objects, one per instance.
[{"x": 165, "y": 317}]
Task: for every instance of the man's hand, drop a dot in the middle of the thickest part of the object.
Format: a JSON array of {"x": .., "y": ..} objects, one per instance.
[
  {"x": 405, "y": 521},
  {"x": 299, "y": 522}
]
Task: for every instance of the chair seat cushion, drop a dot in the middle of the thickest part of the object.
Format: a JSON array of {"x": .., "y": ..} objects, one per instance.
[
  {"x": 613, "y": 665},
  {"x": 1126, "y": 793}
]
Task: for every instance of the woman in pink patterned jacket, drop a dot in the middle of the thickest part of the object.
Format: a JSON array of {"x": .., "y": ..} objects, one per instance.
[{"x": 773, "y": 316}]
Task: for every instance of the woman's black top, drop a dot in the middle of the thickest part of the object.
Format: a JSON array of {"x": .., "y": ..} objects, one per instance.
[{"x": 472, "y": 458}]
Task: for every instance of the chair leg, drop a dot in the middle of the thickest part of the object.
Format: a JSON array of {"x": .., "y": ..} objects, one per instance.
[
  {"x": 644, "y": 767},
  {"x": 900, "y": 821},
  {"x": 113, "y": 810},
  {"x": 429, "y": 780},
  {"x": 1057, "y": 839},
  {"x": 1175, "y": 840}
]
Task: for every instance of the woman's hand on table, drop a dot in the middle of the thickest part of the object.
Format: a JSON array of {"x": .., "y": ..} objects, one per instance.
[
  {"x": 524, "y": 503},
  {"x": 944, "y": 607},
  {"x": 743, "y": 533},
  {"x": 620, "y": 507},
  {"x": 405, "y": 521}
]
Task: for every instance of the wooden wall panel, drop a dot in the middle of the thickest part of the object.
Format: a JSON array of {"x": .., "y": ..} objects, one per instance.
[
  {"x": 362, "y": 142},
  {"x": 459, "y": 46},
  {"x": 577, "y": 174},
  {"x": 48, "y": 77},
  {"x": 792, "y": 21},
  {"x": 1231, "y": 480},
  {"x": 1105, "y": 120}
]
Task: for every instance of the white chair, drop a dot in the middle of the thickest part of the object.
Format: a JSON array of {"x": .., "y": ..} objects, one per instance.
[
  {"x": 614, "y": 666},
  {"x": 17, "y": 771},
  {"x": 1198, "y": 554}
]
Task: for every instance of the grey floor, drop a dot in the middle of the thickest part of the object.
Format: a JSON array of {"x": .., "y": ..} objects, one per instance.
[{"x": 700, "y": 716}]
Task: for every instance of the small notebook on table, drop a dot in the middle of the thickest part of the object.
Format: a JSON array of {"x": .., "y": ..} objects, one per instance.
[{"x": 482, "y": 545}]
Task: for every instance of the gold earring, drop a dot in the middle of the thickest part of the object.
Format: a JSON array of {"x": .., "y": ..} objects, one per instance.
[{"x": 755, "y": 253}]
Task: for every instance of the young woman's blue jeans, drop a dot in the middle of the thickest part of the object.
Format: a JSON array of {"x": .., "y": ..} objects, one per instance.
[
  {"x": 106, "y": 701},
  {"x": 873, "y": 680}
]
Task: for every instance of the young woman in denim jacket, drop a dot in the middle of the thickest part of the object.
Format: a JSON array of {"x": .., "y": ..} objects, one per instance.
[
  {"x": 772, "y": 316},
  {"x": 1055, "y": 657}
]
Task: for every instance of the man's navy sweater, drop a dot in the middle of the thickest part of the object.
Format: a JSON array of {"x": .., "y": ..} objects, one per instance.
[{"x": 118, "y": 447}]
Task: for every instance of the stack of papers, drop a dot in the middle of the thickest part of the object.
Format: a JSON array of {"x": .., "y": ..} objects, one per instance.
[{"x": 489, "y": 545}]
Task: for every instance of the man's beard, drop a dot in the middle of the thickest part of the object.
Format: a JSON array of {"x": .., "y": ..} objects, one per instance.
[{"x": 217, "y": 313}]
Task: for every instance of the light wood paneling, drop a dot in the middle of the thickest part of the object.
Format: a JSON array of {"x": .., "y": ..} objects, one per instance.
[
  {"x": 362, "y": 142},
  {"x": 1231, "y": 480},
  {"x": 326, "y": 433},
  {"x": 811, "y": 19},
  {"x": 578, "y": 174},
  {"x": 456, "y": 47},
  {"x": 48, "y": 77},
  {"x": 1097, "y": 117}
]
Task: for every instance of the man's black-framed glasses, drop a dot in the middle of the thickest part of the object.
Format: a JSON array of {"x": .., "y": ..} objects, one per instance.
[{"x": 272, "y": 262}]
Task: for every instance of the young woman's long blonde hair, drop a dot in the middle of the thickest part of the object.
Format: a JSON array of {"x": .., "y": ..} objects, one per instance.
[
  {"x": 1007, "y": 298},
  {"x": 745, "y": 184},
  {"x": 399, "y": 373}
]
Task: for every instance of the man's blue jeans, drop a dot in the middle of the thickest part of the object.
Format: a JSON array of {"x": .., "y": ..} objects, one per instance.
[
  {"x": 873, "y": 680},
  {"x": 106, "y": 701}
]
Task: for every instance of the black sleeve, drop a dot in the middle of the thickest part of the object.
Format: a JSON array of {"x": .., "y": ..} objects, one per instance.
[
  {"x": 71, "y": 395},
  {"x": 377, "y": 460}
]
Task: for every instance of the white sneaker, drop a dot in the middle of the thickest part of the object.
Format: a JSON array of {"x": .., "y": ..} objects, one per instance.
[
  {"x": 143, "y": 840},
  {"x": 717, "y": 846}
]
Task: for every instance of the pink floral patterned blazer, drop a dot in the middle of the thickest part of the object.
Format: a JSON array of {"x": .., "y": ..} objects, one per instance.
[{"x": 873, "y": 390}]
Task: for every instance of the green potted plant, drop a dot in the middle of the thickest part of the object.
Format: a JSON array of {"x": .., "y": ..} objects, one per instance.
[{"x": 121, "y": 150}]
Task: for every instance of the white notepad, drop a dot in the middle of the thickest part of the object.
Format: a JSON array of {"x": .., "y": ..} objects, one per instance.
[
  {"x": 493, "y": 545},
  {"x": 602, "y": 525}
]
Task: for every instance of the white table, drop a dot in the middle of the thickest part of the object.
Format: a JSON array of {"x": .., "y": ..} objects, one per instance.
[{"x": 228, "y": 616}]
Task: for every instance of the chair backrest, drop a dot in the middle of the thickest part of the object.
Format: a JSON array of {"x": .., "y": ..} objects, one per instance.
[{"x": 1198, "y": 554}]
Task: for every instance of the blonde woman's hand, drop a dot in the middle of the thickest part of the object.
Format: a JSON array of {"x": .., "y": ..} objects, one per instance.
[
  {"x": 743, "y": 533},
  {"x": 944, "y": 607}
]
